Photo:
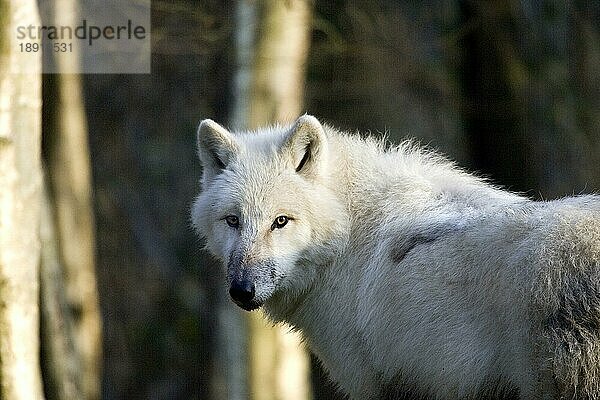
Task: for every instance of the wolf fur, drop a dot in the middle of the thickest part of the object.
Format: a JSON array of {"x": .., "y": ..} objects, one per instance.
[{"x": 404, "y": 273}]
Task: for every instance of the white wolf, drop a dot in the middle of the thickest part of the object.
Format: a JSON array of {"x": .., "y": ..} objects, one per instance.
[{"x": 404, "y": 273}]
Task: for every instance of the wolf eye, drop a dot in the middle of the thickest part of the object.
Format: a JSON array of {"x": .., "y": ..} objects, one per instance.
[
  {"x": 279, "y": 222},
  {"x": 232, "y": 221}
]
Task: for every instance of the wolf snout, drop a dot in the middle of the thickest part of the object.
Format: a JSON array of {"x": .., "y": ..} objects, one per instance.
[{"x": 242, "y": 291}]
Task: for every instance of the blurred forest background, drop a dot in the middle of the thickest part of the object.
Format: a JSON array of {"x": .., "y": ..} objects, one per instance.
[{"x": 508, "y": 88}]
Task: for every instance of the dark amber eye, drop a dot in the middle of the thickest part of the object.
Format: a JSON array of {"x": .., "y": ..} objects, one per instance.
[
  {"x": 280, "y": 222},
  {"x": 232, "y": 221}
]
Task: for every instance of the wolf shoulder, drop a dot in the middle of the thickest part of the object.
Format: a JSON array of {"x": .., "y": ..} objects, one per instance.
[
  {"x": 485, "y": 256},
  {"x": 510, "y": 238}
]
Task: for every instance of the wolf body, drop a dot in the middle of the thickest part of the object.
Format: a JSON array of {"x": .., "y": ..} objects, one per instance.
[{"x": 404, "y": 273}]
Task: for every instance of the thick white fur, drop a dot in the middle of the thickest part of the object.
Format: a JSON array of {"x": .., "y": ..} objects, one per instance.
[{"x": 404, "y": 273}]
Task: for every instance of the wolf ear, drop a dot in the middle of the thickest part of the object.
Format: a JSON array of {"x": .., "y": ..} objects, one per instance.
[
  {"x": 215, "y": 147},
  {"x": 306, "y": 144}
]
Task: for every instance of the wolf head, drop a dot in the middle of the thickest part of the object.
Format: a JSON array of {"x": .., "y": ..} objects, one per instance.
[{"x": 267, "y": 210}]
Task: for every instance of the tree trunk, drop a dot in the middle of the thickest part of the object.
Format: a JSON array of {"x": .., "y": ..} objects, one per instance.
[
  {"x": 584, "y": 59},
  {"x": 272, "y": 46},
  {"x": 493, "y": 113},
  {"x": 20, "y": 180},
  {"x": 69, "y": 171},
  {"x": 61, "y": 365},
  {"x": 530, "y": 97}
]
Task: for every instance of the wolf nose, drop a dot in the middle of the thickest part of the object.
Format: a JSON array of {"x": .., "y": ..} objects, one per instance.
[{"x": 242, "y": 291}]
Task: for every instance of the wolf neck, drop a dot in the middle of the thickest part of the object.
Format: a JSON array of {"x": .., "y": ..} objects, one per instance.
[{"x": 371, "y": 179}]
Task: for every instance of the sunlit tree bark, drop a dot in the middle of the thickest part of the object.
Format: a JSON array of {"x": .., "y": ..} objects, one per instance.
[
  {"x": 20, "y": 195},
  {"x": 69, "y": 173},
  {"x": 61, "y": 364}
]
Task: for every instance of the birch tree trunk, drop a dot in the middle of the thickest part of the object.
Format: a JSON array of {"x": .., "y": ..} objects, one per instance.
[
  {"x": 20, "y": 195},
  {"x": 61, "y": 364},
  {"x": 69, "y": 173},
  {"x": 272, "y": 46}
]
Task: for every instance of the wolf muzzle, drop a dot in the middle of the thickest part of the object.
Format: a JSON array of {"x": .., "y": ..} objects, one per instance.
[{"x": 242, "y": 292}]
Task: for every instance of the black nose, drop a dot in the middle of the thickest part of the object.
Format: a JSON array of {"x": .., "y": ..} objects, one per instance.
[{"x": 241, "y": 291}]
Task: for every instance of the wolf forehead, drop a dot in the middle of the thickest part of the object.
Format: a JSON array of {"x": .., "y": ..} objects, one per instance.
[
  {"x": 255, "y": 179},
  {"x": 270, "y": 166},
  {"x": 256, "y": 193}
]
